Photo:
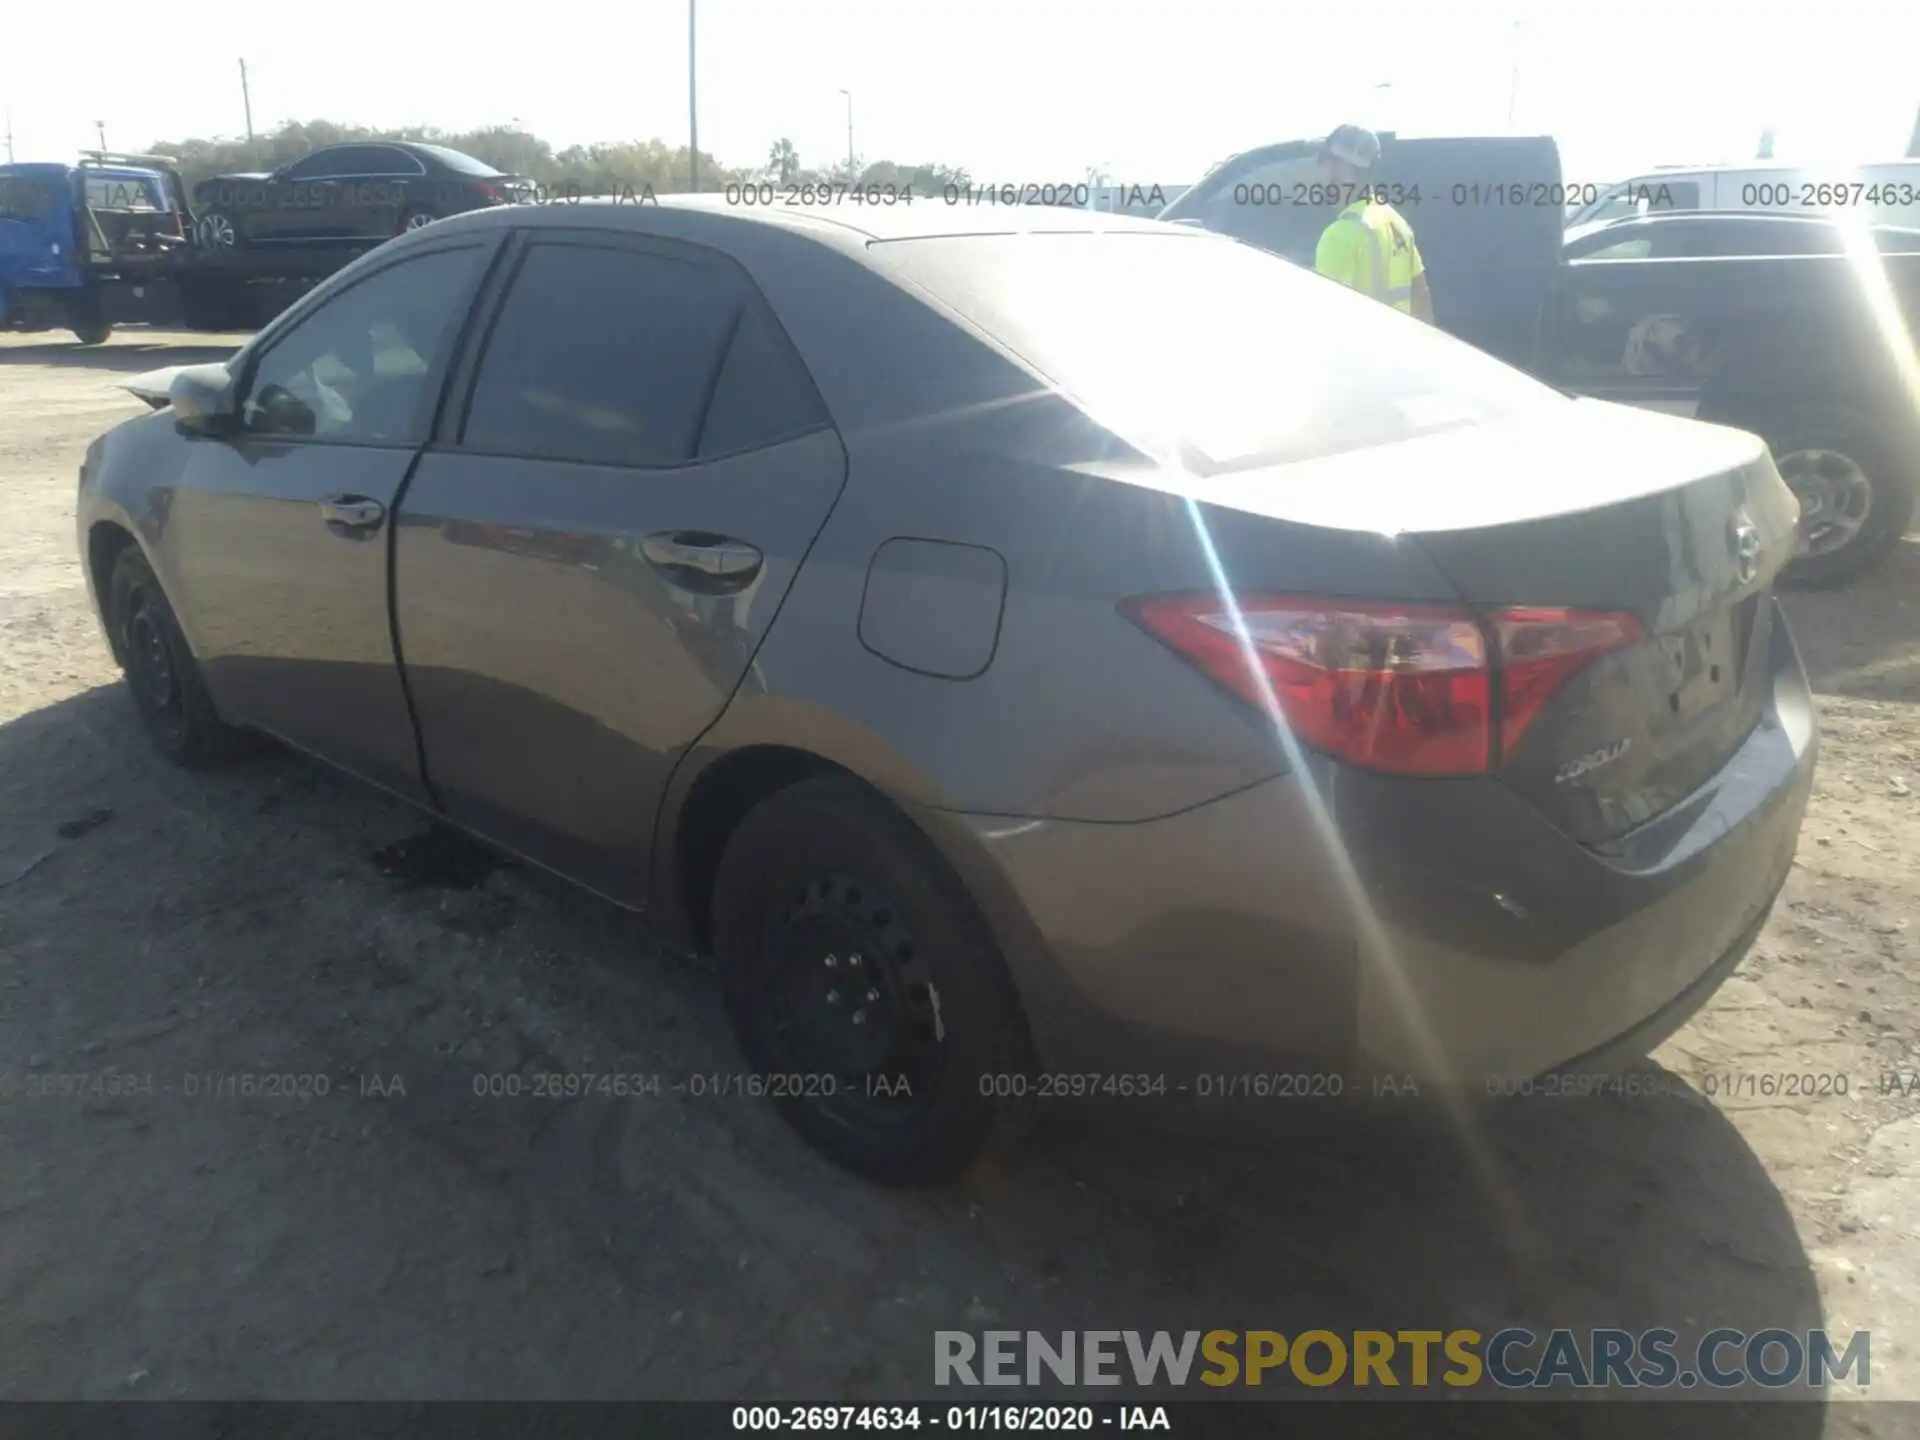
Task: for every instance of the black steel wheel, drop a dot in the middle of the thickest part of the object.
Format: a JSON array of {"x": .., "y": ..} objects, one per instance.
[
  {"x": 862, "y": 985},
  {"x": 161, "y": 672}
]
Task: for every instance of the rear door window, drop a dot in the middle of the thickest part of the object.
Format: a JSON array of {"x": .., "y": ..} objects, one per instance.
[{"x": 623, "y": 355}]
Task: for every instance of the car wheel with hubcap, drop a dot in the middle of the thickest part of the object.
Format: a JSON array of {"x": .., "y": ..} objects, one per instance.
[
  {"x": 416, "y": 220},
  {"x": 215, "y": 231},
  {"x": 1856, "y": 489},
  {"x": 862, "y": 985},
  {"x": 161, "y": 672}
]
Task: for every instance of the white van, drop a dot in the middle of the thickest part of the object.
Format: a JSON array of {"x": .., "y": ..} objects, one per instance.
[{"x": 1887, "y": 193}]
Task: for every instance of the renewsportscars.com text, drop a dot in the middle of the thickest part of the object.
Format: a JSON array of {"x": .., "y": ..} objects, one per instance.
[{"x": 1412, "y": 1359}]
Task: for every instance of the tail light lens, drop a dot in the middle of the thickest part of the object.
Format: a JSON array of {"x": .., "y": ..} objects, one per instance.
[
  {"x": 1540, "y": 650},
  {"x": 486, "y": 190},
  {"x": 1404, "y": 688}
]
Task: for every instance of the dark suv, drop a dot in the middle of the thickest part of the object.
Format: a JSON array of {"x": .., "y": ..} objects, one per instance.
[{"x": 347, "y": 194}]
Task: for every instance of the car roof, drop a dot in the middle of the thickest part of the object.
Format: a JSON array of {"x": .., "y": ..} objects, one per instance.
[{"x": 848, "y": 224}]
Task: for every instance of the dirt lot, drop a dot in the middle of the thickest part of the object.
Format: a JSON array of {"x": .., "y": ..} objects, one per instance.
[{"x": 436, "y": 1244}]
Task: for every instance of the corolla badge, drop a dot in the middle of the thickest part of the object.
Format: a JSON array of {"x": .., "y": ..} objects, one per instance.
[
  {"x": 1745, "y": 542},
  {"x": 1591, "y": 761}
]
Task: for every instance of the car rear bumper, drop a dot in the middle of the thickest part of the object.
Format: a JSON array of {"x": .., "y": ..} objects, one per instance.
[{"x": 1336, "y": 922}]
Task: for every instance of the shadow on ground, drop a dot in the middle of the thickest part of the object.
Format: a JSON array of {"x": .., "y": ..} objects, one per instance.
[{"x": 677, "y": 1246}]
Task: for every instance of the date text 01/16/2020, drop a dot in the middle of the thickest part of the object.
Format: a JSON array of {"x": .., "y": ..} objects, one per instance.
[
  {"x": 1463, "y": 194},
  {"x": 1065, "y": 194}
]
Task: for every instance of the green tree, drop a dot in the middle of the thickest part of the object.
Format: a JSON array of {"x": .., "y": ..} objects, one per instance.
[{"x": 783, "y": 162}]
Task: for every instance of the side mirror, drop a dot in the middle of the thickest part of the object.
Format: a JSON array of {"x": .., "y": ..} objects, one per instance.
[{"x": 203, "y": 400}]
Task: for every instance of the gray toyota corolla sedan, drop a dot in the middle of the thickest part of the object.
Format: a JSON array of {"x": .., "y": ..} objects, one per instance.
[{"x": 1034, "y": 652}]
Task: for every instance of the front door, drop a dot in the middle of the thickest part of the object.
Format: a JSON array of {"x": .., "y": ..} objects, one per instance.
[
  {"x": 284, "y": 529},
  {"x": 587, "y": 561}
]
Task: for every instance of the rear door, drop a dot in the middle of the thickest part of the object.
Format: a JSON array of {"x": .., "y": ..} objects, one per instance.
[
  {"x": 590, "y": 554},
  {"x": 278, "y": 535},
  {"x": 1490, "y": 223}
]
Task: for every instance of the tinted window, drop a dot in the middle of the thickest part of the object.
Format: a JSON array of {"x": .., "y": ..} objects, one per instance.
[
  {"x": 763, "y": 394},
  {"x": 1212, "y": 354},
  {"x": 354, "y": 160},
  {"x": 1638, "y": 247},
  {"x": 358, "y": 367},
  {"x": 385, "y": 160},
  {"x": 25, "y": 197},
  {"x": 319, "y": 164},
  {"x": 602, "y": 355},
  {"x": 456, "y": 162},
  {"x": 1766, "y": 237}
]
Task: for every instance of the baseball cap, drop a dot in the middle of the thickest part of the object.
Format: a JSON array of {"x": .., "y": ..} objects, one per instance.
[{"x": 1359, "y": 148}]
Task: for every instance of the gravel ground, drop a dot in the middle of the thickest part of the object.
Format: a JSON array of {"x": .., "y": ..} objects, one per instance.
[{"x": 401, "y": 1237}]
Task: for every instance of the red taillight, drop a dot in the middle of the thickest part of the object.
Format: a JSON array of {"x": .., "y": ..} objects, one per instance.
[
  {"x": 1399, "y": 687},
  {"x": 486, "y": 190},
  {"x": 1539, "y": 652}
]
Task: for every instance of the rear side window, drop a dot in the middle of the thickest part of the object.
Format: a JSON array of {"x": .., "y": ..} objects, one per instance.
[
  {"x": 458, "y": 161},
  {"x": 615, "y": 356},
  {"x": 1209, "y": 354},
  {"x": 763, "y": 394}
]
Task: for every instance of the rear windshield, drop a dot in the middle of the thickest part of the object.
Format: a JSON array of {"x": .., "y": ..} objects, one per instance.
[
  {"x": 457, "y": 162},
  {"x": 122, "y": 192},
  {"x": 1212, "y": 353}
]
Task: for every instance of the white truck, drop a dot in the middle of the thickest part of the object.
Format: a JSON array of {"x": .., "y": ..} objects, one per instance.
[{"x": 1883, "y": 193}]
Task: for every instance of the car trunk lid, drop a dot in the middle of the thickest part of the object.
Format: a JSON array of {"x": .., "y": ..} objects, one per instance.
[{"x": 1596, "y": 508}]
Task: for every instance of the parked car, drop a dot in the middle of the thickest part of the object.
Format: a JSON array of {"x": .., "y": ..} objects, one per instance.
[
  {"x": 344, "y": 194},
  {"x": 89, "y": 245},
  {"x": 1672, "y": 234},
  {"x": 1812, "y": 352},
  {"x": 1885, "y": 192},
  {"x": 999, "y": 680}
]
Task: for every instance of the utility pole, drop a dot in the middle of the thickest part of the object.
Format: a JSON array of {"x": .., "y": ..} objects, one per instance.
[
  {"x": 1513, "y": 83},
  {"x": 10, "y": 134},
  {"x": 246, "y": 100},
  {"x": 1913, "y": 145},
  {"x": 850, "y": 164},
  {"x": 693, "y": 107},
  {"x": 100, "y": 129}
]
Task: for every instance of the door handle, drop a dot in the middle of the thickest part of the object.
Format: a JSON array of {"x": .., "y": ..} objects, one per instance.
[
  {"x": 715, "y": 555},
  {"x": 352, "y": 512}
]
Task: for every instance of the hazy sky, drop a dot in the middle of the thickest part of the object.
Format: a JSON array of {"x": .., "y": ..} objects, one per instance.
[{"x": 1016, "y": 90}]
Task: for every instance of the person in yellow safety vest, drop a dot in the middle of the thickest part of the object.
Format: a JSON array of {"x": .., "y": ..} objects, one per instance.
[{"x": 1368, "y": 247}]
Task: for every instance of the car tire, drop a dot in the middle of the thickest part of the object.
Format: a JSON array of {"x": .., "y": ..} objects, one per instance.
[
  {"x": 850, "y": 956},
  {"x": 175, "y": 708},
  {"x": 1825, "y": 454},
  {"x": 416, "y": 220},
  {"x": 94, "y": 334}
]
